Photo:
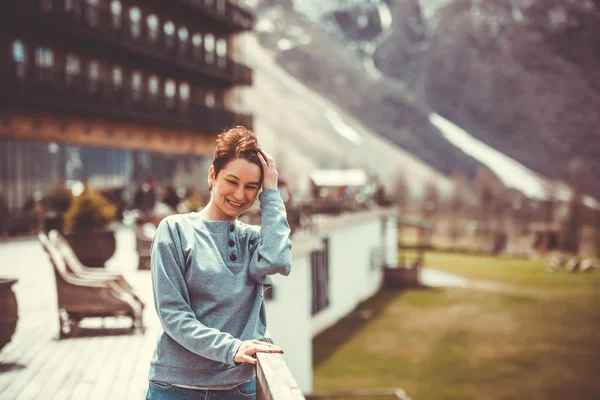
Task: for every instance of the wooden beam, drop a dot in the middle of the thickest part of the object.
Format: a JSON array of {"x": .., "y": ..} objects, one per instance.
[{"x": 45, "y": 127}]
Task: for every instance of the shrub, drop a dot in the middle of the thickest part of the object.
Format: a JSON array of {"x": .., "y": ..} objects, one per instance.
[{"x": 89, "y": 211}]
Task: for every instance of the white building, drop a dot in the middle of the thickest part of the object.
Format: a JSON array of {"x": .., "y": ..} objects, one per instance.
[{"x": 333, "y": 271}]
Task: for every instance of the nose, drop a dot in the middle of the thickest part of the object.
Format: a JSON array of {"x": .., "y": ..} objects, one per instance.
[{"x": 239, "y": 193}]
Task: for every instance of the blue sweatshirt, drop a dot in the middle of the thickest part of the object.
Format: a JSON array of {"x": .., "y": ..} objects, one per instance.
[{"x": 208, "y": 279}]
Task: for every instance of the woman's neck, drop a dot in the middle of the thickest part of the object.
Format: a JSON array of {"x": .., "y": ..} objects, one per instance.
[{"x": 212, "y": 213}]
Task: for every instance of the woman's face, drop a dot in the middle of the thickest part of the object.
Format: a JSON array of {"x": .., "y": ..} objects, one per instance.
[{"x": 235, "y": 188}]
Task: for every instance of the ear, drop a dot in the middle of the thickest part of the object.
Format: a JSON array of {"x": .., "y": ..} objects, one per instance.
[{"x": 211, "y": 176}]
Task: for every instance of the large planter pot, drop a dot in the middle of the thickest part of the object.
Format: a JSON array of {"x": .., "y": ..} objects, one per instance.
[
  {"x": 9, "y": 312},
  {"x": 93, "y": 248}
]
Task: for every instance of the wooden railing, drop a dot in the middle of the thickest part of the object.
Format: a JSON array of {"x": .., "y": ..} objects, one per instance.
[
  {"x": 274, "y": 381},
  {"x": 237, "y": 17},
  {"x": 102, "y": 25},
  {"x": 58, "y": 91}
]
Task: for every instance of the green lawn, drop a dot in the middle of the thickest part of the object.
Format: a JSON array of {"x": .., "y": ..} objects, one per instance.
[{"x": 536, "y": 335}]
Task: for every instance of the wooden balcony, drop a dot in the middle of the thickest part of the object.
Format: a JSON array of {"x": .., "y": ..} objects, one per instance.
[
  {"x": 100, "y": 26},
  {"x": 235, "y": 17},
  {"x": 55, "y": 91}
]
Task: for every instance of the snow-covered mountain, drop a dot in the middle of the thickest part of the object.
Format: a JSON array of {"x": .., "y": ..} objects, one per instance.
[
  {"x": 306, "y": 131},
  {"x": 519, "y": 75}
]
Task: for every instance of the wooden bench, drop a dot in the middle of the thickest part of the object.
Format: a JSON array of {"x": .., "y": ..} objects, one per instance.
[{"x": 80, "y": 298}]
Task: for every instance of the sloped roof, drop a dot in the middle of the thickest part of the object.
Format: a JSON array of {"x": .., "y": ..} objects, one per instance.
[{"x": 338, "y": 177}]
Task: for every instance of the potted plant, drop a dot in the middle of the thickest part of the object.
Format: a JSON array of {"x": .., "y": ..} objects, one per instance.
[
  {"x": 9, "y": 313},
  {"x": 87, "y": 223}
]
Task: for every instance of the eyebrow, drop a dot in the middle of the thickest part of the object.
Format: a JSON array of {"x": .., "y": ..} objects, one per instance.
[{"x": 249, "y": 183}]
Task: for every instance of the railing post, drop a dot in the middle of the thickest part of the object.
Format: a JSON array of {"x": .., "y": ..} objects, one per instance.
[{"x": 274, "y": 381}]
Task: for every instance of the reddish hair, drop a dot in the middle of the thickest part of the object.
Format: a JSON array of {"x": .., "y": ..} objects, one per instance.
[{"x": 237, "y": 142}]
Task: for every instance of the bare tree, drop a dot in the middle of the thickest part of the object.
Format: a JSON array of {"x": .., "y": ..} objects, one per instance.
[
  {"x": 401, "y": 192},
  {"x": 571, "y": 230},
  {"x": 431, "y": 199},
  {"x": 456, "y": 206}
]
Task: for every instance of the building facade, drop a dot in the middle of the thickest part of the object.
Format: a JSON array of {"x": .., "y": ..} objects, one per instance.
[{"x": 112, "y": 91}]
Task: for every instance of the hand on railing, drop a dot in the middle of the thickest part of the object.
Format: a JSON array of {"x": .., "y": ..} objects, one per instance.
[{"x": 251, "y": 347}]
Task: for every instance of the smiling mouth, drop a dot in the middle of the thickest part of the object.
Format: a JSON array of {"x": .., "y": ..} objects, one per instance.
[{"x": 234, "y": 204}]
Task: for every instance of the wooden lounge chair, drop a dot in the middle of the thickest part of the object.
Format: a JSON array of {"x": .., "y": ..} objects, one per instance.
[
  {"x": 75, "y": 266},
  {"x": 82, "y": 298}
]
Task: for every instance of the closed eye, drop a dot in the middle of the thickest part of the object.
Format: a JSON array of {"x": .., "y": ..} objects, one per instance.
[{"x": 232, "y": 182}]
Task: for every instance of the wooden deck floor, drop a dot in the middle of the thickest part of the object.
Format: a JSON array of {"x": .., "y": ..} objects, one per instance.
[{"x": 103, "y": 360}]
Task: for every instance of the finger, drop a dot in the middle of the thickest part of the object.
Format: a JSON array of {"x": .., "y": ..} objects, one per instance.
[
  {"x": 264, "y": 349},
  {"x": 265, "y": 344},
  {"x": 263, "y": 157},
  {"x": 248, "y": 359}
]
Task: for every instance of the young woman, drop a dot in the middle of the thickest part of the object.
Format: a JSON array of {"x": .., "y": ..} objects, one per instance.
[{"x": 209, "y": 271}]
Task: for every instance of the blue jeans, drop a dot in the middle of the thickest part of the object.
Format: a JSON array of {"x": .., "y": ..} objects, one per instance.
[{"x": 166, "y": 391}]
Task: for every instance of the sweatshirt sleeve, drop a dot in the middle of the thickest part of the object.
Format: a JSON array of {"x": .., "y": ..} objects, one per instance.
[
  {"x": 172, "y": 301},
  {"x": 272, "y": 248}
]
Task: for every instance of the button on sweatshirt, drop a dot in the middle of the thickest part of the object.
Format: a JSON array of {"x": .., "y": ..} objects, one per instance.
[{"x": 208, "y": 279}]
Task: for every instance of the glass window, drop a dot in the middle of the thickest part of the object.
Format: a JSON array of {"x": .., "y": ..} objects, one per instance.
[
  {"x": 18, "y": 51},
  {"x": 117, "y": 76},
  {"x": 72, "y": 66},
  {"x": 184, "y": 91},
  {"x": 92, "y": 12},
  {"x": 153, "y": 24},
  {"x": 20, "y": 57},
  {"x": 209, "y": 46},
  {"x": 197, "y": 40},
  {"x": 135, "y": 16},
  {"x": 44, "y": 57},
  {"x": 209, "y": 43},
  {"x": 115, "y": 10},
  {"x": 136, "y": 81},
  {"x": 221, "y": 6},
  {"x": 169, "y": 28},
  {"x": 197, "y": 43},
  {"x": 115, "y": 7},
  {"x": 153, "y": 85},
  {"x": 93, "y": 70},
  {"x": 136, "y": 86},
  {"x": 170, "y": 88},
  {"x": 183, "y": 34},
  {"x": 221, "y": 47},
  {"x": 209, "y": 98}
]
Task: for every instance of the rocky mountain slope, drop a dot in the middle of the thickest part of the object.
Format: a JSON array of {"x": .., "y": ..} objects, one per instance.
[
  {"x": 306, "y": 131},
  {"x": 521, "y": 75}
]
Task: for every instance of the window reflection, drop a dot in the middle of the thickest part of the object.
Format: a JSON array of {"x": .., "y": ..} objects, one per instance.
[
  {"x": 197, "y": 43},
  {"x": 170, "y": 89},
  {"x": 20, "y": 58},
  {"x": 135, "y": 16},
  {"x": 153, "y": 30},
  {"x": 209, "y": 46},
  {"x": 115, "y": 10},
  {"x": 169, "y": 31}
]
